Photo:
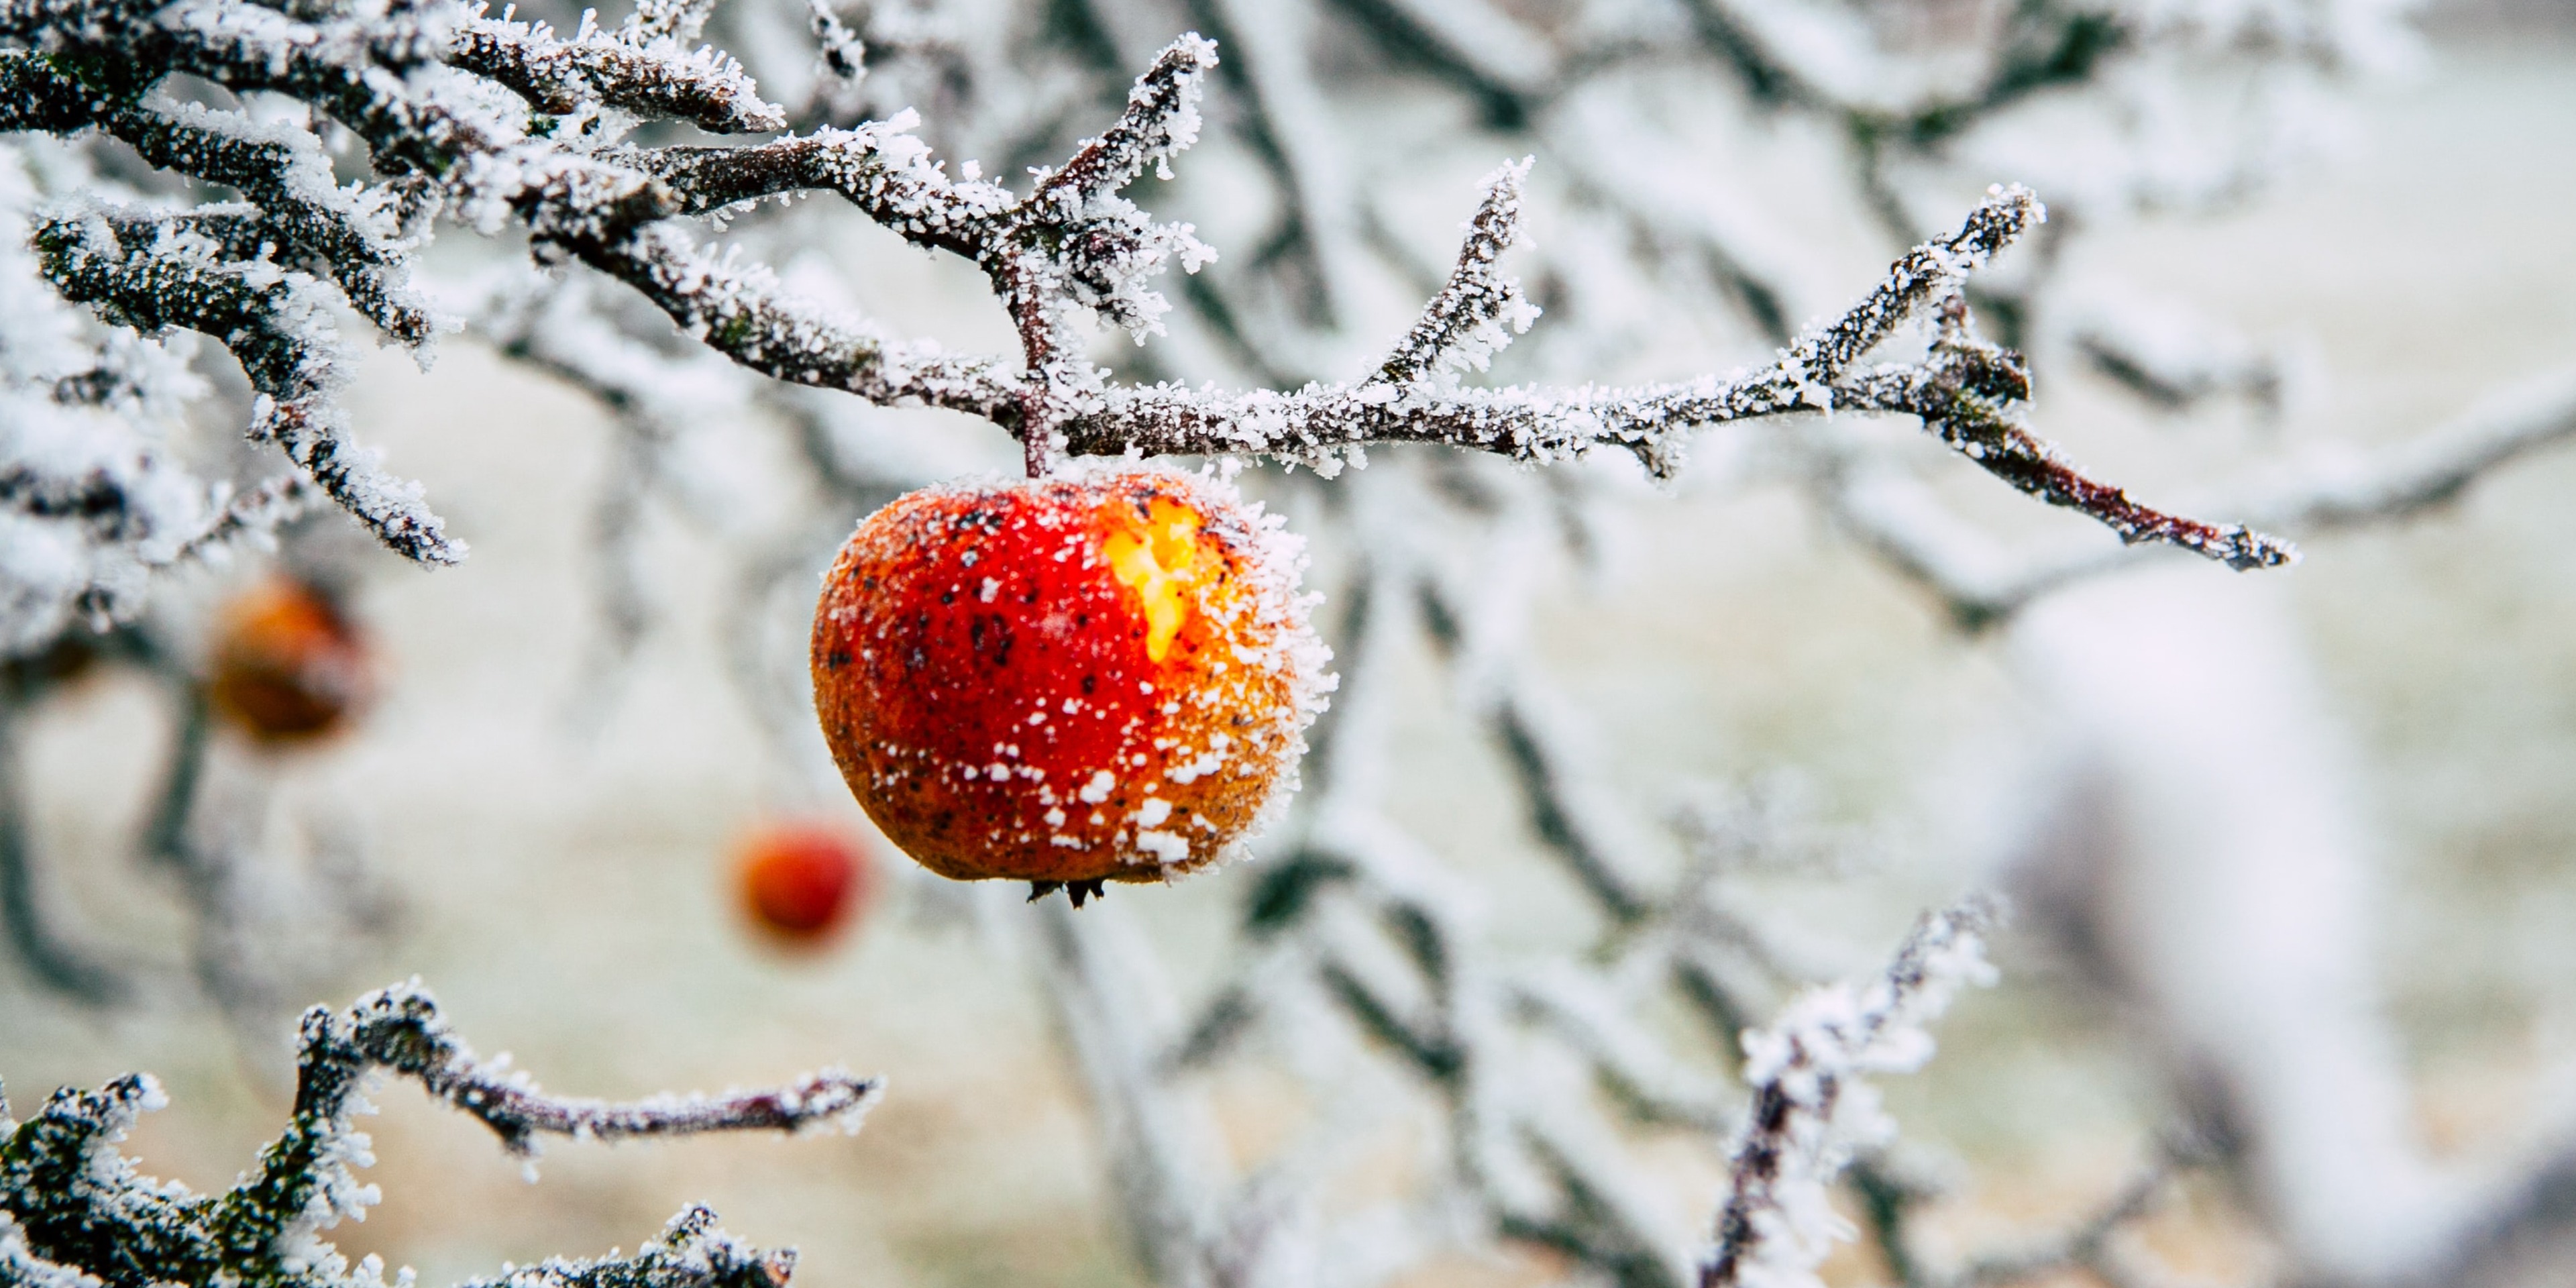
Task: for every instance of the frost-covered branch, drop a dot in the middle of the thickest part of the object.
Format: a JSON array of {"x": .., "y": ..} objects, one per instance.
[
  {"x": 260, "y": 274},
  {"x": 75, "y": 1211},
  {"x": 1463, "y": 325},
  {"x": 691, "y": 1252},
  {"x": 186, "y": 271},
  {"x": 1957, "y": 393},
  {"x": 1542, "y": 425},
  {"x": 399, "y": 1029},
  {"x": 1967, "y": 394},
  {"x": 1163, "y": 1154},
  {"x": 1983, "y": 582},
  {"x": 642, "y": 67},
  {"x": 1811, "y": 1109}
]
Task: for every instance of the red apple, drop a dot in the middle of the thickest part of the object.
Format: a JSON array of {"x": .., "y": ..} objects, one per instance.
[
  {"x": 801, "y": 882},
  {"x": 1105, "y": 676}
]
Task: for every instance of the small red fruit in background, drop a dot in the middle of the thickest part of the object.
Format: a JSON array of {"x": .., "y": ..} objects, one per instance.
[
  {"x": 1103, "y": 676},
  {"x": 288, "y": 665},
  {"x": 801, "y": 883}
]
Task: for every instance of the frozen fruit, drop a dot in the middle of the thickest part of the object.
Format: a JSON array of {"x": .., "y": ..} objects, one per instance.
[
  {"x": 801, "y": 882},
  {"x": 287, "y": 664},
  {"x": 1105, "y": 676}
]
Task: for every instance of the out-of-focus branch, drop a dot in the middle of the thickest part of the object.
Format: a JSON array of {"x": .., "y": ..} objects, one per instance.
[
  {"x": 40, "y": 944},
  {"x": 1161, "y": 1156},
  {"x": 2432, "y": 470},
  {"x": 2087, "y": 1245}
]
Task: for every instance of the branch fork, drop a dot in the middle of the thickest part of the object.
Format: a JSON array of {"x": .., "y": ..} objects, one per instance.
[{"x": 258, "y": 274}]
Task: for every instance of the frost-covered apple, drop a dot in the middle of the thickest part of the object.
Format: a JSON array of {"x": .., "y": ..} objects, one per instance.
[
  {"x": 1101, "y": 676},
  {"x": 287, "y": 663},
  {"x": 801, "y": 882}
]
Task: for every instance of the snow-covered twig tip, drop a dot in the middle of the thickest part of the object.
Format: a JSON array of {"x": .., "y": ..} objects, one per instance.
[
  {"x": 690, "y": 1253},
  {"x": 1161, "y": 121},
  {"x": 1811, "y": 1111},
  {"x": 1463, "y": 326}
]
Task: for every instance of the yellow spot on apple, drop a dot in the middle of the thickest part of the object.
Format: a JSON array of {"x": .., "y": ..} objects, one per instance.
[{"x": 1155, "y": 559}]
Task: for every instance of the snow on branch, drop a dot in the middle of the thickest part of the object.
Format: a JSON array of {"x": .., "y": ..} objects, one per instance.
[
  {"x": 399, "y": 1029},
  {"x": 643, "y": 67},
  {"x": 1968, "y": 393},
  {"x": 259, "y": 274},
  {"x": 297, "y": 213},
  {"x": 691, "y": 1253},
  {"x": 74, "y": 1211},
  {"x": 1462, "y": 326},
  {"x": 1981, "y": 583},
  {"x": 1811, "y": 1110},
  {"x": 1072, "y": 244},
  {"x": 1541, "y": 424},
  {"x": 1965, "y": 395},
  {"x": 152, "y": 271},
  {"x": 1161, "y": 121},
  {"x": 880, "y": 167}
]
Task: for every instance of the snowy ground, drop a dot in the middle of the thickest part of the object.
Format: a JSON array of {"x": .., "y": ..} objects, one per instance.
[{"x": 563, "y": 889}]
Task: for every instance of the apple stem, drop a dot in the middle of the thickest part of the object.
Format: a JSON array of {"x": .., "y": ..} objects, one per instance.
[{"x": 1076, "y": 892}]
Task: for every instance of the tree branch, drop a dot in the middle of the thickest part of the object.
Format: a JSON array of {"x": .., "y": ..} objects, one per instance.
[
  {"x": 70, "y": 1202},
  {"x": 1810, "y": 1108}
]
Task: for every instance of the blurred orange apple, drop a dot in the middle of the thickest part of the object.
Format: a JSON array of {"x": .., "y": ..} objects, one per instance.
[
  {"x": 802, "y": 882},
  {"x": 288, "y": 664}
]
